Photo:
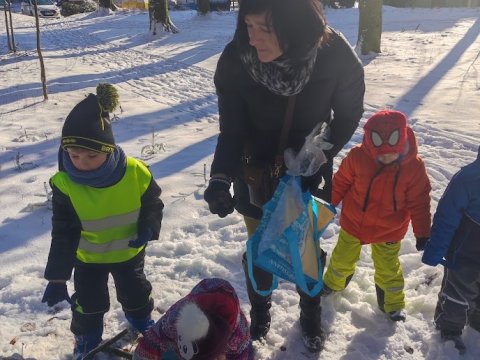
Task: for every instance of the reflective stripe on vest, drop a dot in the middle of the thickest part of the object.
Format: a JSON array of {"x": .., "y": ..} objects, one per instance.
[{"x": 108, "y": 215}]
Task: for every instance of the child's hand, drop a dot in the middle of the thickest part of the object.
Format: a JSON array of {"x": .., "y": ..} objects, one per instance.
[
  {"x": 421, "y": 242},
  {"x": 144, "y": 235},
  {"x": 56, "y": 292}
]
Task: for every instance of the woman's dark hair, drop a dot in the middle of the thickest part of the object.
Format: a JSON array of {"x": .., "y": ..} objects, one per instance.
[{"x": 299, "y": 25}]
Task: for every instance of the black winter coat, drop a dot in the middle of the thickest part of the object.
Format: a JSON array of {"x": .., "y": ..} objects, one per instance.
[
  {"x": 250, "y": 112},
  {"x": 66, "y": 228}
]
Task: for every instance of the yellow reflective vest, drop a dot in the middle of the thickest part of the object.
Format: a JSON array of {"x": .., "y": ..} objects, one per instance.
[{"x": 108, "y": 215}]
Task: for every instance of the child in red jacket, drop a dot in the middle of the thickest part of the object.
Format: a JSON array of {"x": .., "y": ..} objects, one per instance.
[{"x": 382, "y": 184}]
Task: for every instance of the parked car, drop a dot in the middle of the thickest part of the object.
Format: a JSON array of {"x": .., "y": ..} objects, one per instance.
[{"x": 46, "y": 8}]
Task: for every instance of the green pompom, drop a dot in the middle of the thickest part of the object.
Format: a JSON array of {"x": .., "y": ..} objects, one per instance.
[{"x": 107, "y": 97}]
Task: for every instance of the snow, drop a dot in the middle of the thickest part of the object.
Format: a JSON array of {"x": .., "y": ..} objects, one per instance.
[{"x": 428, "y": 69}]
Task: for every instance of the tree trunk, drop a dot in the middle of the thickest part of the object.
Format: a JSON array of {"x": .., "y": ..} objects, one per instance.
[
  {"x": 14, "y": 47},
  {"x": 158, "y": 11},
  {"x": 10, "y": 47},
  {"x": 370, "y": 26},
  {"x": 40, "y": 56},
  {"x": 203, "y": 7},
  {"x": 107, "y": 4}
]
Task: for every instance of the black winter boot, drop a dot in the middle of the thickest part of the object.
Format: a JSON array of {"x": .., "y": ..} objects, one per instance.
[
  {"x": 456, "y": 337},
  {"x": 260, "y": 311},
  {"x": 259, "y": 323},
  {"x": 311, "y": 322}
]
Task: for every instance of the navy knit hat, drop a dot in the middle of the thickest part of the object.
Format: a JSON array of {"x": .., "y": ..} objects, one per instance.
[{"x": 88, "y": 124}]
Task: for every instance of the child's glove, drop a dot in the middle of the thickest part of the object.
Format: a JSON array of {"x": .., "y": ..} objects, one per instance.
[
  {"x": 431, "y": 259},
  {"x": 144, "y": 235},
  {"x": 218, "y": 197},
  {"x": 55, "y": 293},
  {"x": 421, "y": 242}
]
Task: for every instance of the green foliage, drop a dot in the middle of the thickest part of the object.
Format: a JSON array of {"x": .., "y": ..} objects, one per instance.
[
  {"x": 203, "y": 6},
  {"x": 70, "y": 8},
  {"x": 107, "y": 96}
]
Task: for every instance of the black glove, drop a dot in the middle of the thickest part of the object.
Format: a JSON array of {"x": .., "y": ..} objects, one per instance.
[
  {"x": 421, "y": 242},
  {"x": 55, "y": 293},
  {"x": 218, "y": 197},
  {"x": 144, "y": 235},
  {"x": 312, "y": 182}
]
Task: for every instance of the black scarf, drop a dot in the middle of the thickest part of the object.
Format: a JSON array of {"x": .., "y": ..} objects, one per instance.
[{"x": 281, "y": 76}]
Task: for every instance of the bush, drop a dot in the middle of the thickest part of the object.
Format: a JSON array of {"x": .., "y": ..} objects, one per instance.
[{"x": 72, "y": 8}]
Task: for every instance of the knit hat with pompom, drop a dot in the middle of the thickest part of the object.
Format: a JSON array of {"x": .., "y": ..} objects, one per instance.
[
  {"x": 88, "y": 125},
  {"x": 202, "y": 333}
]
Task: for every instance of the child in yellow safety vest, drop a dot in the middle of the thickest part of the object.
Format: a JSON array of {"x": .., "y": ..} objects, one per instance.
[{"x": 106, "y": 207}]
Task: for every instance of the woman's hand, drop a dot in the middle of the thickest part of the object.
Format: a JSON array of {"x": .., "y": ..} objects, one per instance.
[{"x": 218, "y": 196}]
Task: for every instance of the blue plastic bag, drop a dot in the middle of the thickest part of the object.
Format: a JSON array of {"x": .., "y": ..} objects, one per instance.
[{"x": 286, "y": 242}]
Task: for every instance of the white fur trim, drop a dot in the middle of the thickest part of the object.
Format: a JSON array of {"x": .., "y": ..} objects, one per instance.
[{"x": 192, "y": 323}]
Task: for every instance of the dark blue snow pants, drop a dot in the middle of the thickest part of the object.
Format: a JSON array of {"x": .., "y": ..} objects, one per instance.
[
  {"x": 91, "y": 298},
  {"x": 459, "y": 300}
]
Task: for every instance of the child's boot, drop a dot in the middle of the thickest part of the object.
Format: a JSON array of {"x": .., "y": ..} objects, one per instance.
[
  {"x": 310, "y": 322},
  {"x": 398, "y": 315},
  {"x": 141, "y": 325},
  {"x": 86, "y": 343},
  {"x": 456, "y": 337},
  {"x": 326, "y": 291}
]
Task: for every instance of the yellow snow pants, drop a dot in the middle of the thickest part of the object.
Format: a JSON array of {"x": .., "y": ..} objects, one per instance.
[{"x": 388, "y": 277}]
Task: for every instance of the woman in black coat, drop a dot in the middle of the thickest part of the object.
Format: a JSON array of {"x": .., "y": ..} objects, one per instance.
[{"x": 281, "y": 49}]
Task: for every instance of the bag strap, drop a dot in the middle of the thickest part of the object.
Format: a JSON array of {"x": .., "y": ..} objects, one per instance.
[
  {"x": 250, "y": 272},
  {"x": 282, "y": 143}
]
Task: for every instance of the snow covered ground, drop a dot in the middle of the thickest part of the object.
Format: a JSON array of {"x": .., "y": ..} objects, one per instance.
[{"x": 428, "y": 69}]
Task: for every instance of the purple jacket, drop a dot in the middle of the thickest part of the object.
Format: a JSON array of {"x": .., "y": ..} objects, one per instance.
[{"x": 160, "y": 341}]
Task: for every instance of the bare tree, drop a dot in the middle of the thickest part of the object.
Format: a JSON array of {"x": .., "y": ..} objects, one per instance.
[
  {"x": 159, "y": 16},
  {"x": 107, "y": 5},
  {"x": 203, "y": 7},
  {"x": 370, "y": 26},
  {"x": 9, "y": 41},
  {"x": 11, "y": 37},
  {"x": 43, "y": 77}
]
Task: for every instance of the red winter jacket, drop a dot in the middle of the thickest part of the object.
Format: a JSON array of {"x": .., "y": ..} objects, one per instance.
[{"x": 380, "y": 200}]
